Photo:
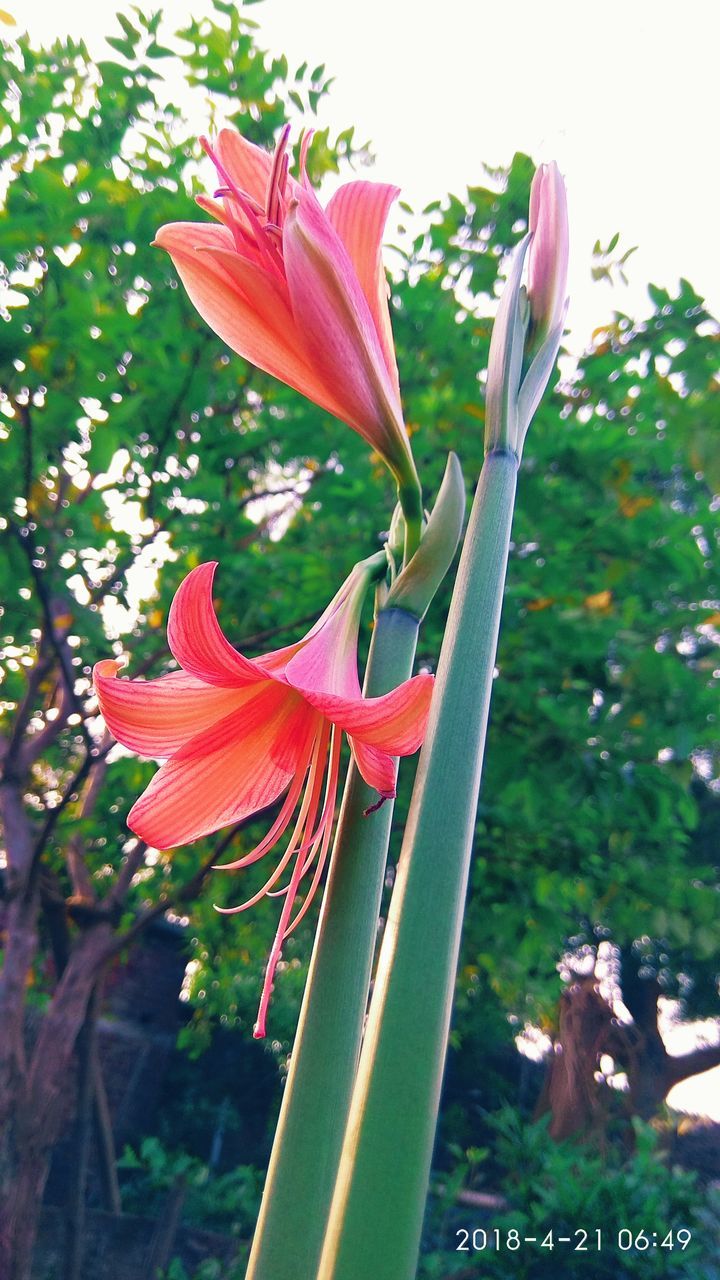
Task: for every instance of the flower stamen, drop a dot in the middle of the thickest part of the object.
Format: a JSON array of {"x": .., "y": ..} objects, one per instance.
[
  {"x": 310, "y": 803},
  {"x": 281, "y": 823},
  {"x": 333, "y": 774},
  {"x": 277, "y": 179},
  {"x": 251, "y": 209}
]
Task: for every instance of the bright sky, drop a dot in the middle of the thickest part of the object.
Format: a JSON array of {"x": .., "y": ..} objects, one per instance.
[{"x": 623, "y": 95}]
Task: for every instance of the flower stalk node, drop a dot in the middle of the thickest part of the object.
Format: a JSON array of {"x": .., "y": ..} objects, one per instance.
[{"x": 414, "y": 588}]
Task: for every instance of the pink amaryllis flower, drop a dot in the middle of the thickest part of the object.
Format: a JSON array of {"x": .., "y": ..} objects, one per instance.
[
  {"x": 235, "y": 733},
  {"x": 298, "y": 290}
]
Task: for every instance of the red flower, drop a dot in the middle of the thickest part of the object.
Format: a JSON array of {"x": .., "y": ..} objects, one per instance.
[
  {"x": 297, "y": 290},
  {"x": 235, "y": 733}
]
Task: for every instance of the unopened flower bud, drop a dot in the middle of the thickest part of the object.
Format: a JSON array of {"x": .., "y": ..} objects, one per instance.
[{"x": 548, "y": 254}]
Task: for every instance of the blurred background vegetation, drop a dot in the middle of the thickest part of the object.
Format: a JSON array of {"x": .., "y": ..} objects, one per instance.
[{"x": 135, "y": 446}]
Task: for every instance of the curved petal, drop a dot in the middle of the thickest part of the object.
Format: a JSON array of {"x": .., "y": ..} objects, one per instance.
[
  {"x": 276, "y": 663},
  {"x": 196, "y": 640},
  {"x": 215, "y": 208},
  {"x": 186, "y": 237},
  {"x": 248, "y": 165},
  {"x": 235, "y": 768},
  {"x": 377, "y": 767},
  {"x": 245, "y": 305},
  {"x": 358, "y": 211},
  {"x": 338, "y": 329},
  {"x": 156, "y": 717},
  {"x": 394, "y": 722},
  {"x": 327, "y": 661},
  {"x": 264, "y": 323}
]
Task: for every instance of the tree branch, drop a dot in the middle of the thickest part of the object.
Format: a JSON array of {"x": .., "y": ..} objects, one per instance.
[
  {"x": 23, "y": 412},
  {"x": 692, "y": 1064},
  {"x": 27, "y": 543},
  {"x": 37, "y": 743},
  {"x": 251, "y": 642},
  {"x": 123, "y": 880},
  {"x": 70, "y": 791},
  {"x": 185, "y": 892},
  {"x": 25, "y": 710}
]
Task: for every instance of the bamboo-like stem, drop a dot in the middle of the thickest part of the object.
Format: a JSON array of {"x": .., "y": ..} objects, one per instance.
[
  {"x": 305, "y": 1155},
  {"x": 376, "y": 1216}
]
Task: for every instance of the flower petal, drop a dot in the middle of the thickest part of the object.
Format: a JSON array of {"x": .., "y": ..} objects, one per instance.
[
  {"x": 156, "y": 717},
  {"x": 394, "y": 722},
  {"x": 248, "y": 165},
  {"x": 377, "y": 767},
  {"x": 327, "y": 661},
  {"x": 333, "y": 633},
  {"x": 186, "y": 237},
  {"x": 338, "y": 329},
  {"x": 235, "y": 768},
  {"x": 246, "y": 305},
  {"x": 549, "y": 250},
  {"x": 195, "y": 638},
  {"x": 264, "y": 324},
  {"x": 358, "y": 211}
]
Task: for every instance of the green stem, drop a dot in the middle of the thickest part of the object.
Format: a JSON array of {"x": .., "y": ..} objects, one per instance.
[
  {"x": 305, "y": 1155},
  {"x": 410, "y": 499},
  {"x": 377, "y": 1211}
]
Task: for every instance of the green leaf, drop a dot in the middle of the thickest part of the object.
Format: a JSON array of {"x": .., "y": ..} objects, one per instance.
[
  {"x": 155, "y": 50},
  {"x": 125, "y": 47},
  {"x": 131, "y": 33}
]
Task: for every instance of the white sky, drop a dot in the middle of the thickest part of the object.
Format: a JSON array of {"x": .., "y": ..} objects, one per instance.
[{"x": 623, "y": 95}]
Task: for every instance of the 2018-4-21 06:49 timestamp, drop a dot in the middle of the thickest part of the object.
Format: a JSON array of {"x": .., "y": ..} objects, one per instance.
[{"x": 593, "y": 1240}]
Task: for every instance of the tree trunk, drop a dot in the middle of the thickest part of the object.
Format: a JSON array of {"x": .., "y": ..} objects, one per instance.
[
  {"x": 20, "y": 1213},
  {"x": 651, "y": 1070},
  {"x": 19, "y": 925},
  {"x": 20, "y": 928},
  {"x": 641, "y": 1048},
  {"x": 75, "y": 1223},
  {"x": 578, "y": 1103},
  {"x": 105, "y": 1140},
  {"x": 167, "y": 1228},
  {"x": 42, "y": 1109},
  {"x": 571, "y": 1093}
]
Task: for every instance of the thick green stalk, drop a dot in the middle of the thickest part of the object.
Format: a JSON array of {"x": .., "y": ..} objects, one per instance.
[
  {"x": 377, "y": 1211},
  {"x": 305, "y": 1155},
  {"x": 411, "y": 505}
]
